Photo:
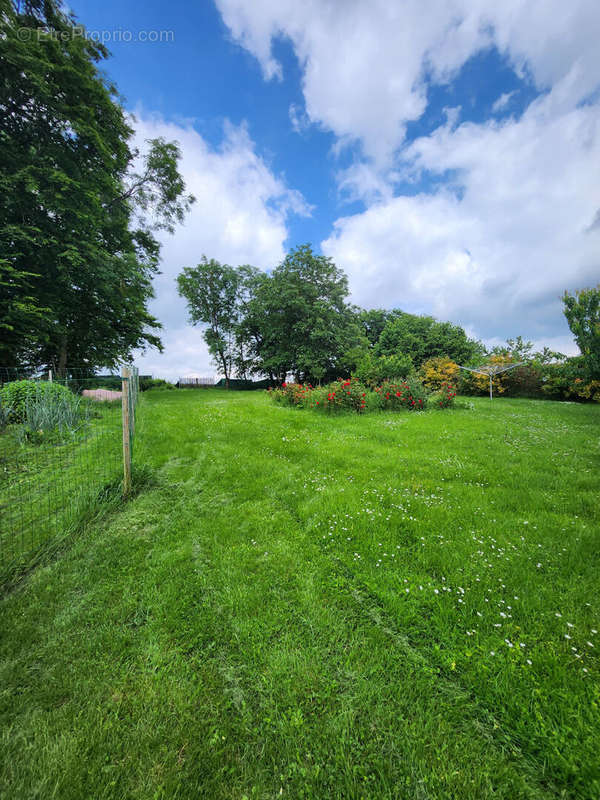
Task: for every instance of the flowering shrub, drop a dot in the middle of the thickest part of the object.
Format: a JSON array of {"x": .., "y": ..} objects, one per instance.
[
  {"x": 445, "y": 397},
  {"x": 439, "y": 371},
  {"x": 569, "y": 380},
  {"x": 408, "y": 394},
  {"x": 352, "y": 395},
  {"x": 349, "y": 394},
  {"x": 586, "y": 391},
  {"x": 292, "y": 394}
]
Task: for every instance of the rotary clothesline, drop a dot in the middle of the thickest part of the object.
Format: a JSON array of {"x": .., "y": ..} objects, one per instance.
[{"x": 491, "y": 370}]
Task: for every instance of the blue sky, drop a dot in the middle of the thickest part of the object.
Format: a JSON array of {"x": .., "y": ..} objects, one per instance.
[
  {"x": 205, "y": 77},
  {"x": 445, "y": 154}
]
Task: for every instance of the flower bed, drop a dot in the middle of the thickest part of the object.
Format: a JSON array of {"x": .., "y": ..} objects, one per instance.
[{"x": 350, "y": 394}]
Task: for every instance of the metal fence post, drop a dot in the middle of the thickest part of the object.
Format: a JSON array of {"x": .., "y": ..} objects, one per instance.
[{"x": 126, "y": 415}]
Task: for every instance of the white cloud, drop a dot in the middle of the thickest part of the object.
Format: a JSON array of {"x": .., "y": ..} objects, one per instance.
[
  {"x": 366, "y": 62},
  {"x": 513, "y": 220},
  {"x": 298, "y": 118},
  {"x": 502, "y": 101},
  {"x": 497, "y": 255},
  {"x": 239, "y": 217}
]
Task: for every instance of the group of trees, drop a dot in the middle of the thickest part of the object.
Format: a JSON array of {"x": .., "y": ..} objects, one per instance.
[
  {"x": 297, "y": 320},
  {"x": 79, "y": 206},
  {"x": 400, "y": 342},
  {"x": 294, "y": 320}
]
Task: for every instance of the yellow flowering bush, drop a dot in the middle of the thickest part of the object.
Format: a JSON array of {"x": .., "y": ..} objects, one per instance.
[
  {"x": 586, "y": 391},
  {"x": 438, "y": 371}
]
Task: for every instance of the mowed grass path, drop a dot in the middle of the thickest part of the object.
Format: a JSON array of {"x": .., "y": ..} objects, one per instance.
[{"x": 398, "y": 605}]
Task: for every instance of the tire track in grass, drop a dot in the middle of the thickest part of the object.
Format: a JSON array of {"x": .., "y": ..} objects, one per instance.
[{"x": 367, "y": 604}]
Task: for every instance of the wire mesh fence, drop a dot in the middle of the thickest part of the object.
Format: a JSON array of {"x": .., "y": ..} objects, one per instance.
[{"x": 61, "y": 450}]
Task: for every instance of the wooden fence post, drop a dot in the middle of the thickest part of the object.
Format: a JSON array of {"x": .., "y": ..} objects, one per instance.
[{"x": 125, "y": 406}]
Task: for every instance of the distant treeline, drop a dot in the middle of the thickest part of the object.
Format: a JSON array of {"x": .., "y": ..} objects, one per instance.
[{"x": 297, "y": 321}]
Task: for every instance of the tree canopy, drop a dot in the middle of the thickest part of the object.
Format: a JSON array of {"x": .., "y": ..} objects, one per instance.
[
  {"x": 304, "y": 321},
  {"x": 295, "y": 320},
  {"x": 213, "y": 295},
  {"x": 423, "y": 337},
  {"x": 582, "y": 310},
  {"x": 78, "y": 205}
]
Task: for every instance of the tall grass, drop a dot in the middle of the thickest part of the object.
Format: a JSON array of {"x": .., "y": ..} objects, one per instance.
[{"x": 47, "y": 412}]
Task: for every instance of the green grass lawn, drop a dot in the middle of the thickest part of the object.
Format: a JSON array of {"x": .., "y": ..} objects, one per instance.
[{"x": 388, "y": 606}]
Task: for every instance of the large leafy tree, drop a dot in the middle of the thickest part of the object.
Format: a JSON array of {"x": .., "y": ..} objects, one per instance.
[
  {"x": 213, "y": 294},
  {"x": 582, "y": 310},
  {"x": 247, "y": 331},
  {"x": 79, "y": 206},
  {"x": 301, "y": 320}
]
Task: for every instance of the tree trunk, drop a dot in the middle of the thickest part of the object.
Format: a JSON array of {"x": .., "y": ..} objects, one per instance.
[
  {"x": 225, "y": 371},
  {"x": 62, "y": 358}
]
